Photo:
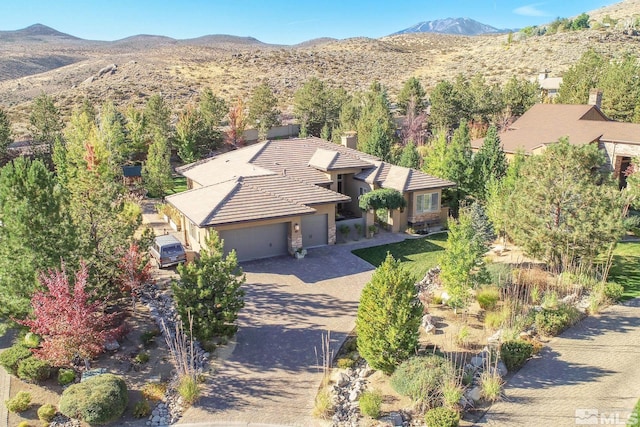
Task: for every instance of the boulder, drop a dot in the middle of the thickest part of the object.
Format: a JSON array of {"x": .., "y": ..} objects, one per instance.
[
  {"x": 343, "y": 380},
  {"x": 474, "y": 394},
  {"x": 502, "y": 368},
  {"x": 477, "y": 361},
  {"x": 111, "y": 345}
]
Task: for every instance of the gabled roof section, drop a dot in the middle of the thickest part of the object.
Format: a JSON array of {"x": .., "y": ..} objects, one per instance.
[
  {"x": 402, "y": 179},
  {"x": 235, "y": 201},
  {"x": 545, "y": 124},
  {"x": 229, "y": 165},
  {"x": 323, "y": 159},
  {"x": 292, "y": 157},
  {"x": 296, "y": 191}
]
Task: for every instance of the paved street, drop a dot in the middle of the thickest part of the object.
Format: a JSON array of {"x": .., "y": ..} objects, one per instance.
[{"x": 591, "y": 371}]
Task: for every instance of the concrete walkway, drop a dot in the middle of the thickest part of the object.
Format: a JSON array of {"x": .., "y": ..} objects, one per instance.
[
  {"x": 270, "y": 375},
  {"x": 588, "y": 375}
]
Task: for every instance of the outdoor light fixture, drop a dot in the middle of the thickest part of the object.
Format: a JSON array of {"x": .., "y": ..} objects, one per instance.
[{"x": 296, "y": 227}]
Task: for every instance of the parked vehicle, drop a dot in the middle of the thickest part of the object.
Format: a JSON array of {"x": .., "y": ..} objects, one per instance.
[{"x": 167, "y": 251}]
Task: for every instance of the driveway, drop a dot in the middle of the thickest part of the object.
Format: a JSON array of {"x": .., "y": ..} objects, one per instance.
[
  {"x": 270, "y": 374},
  {"x": 588, "y": 375}
]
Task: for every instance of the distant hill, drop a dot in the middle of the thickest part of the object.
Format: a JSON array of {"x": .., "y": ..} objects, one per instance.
[
  {"x": 459, "y": 26},
  {"x": 35, "y": 31}
]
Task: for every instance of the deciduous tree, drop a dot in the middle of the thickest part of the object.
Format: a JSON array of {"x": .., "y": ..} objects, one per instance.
[
  {"x": 388, "y": 318},
  {"x": 211, "y": 288},
  {"x": 70, "y": 323},
  {"x": 135, "y": 271},
  {"x": 237, "y": 123}
]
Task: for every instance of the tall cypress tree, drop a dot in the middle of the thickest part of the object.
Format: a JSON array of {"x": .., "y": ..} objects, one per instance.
[{"x": 489, "y": 163}]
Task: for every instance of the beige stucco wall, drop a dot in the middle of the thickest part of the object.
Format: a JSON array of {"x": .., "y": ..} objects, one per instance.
[{"x": 414, "y": 216}]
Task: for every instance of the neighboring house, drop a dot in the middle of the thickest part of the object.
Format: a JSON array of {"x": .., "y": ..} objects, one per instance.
[
  {"x": 544, "y": 124},
  {"x": 275, "y": 197},
  {"x": 550, "y": 86}
]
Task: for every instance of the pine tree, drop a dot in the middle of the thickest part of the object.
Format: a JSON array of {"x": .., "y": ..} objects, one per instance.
[
  {"x": 5, "y": 133},
  {"x": 410, "y": 158},
  {"x": 566, "y": 208},
  {"x": 36, "y": 231},
  {"x": 156, "y": 171},
  {"x": 460, "y": 165},
  {"x": 263, "y": 110},
  {"x": 45, "y": 120},
  {"x": 581, "y": 77},
  {"x": 411, "y": 97},
  {"x": 210, "y": 288},
  {"x": 376, "y": 128},
  {"x": 388, "y": 318},
  {"x": 489, "y": 163}
]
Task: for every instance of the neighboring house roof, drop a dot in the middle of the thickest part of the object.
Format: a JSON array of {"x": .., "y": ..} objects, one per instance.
[
  {"x": 400, "y": 178},
  {"x": 550, "y": 83},
  {"x": 544, "y": 124}
]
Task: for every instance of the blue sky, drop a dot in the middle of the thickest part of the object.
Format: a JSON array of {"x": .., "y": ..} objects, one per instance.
[{"x": 273, "y": 21}]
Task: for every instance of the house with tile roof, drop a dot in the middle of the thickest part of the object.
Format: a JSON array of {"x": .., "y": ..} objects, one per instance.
[
  {"x": 544, "y": 124},
  {"x": 275, "y": 197}
]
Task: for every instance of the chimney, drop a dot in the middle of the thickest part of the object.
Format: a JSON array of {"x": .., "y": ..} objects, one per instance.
[
  {"x": 543, "y": 75},
  {"x": 595, "y": 97},
  {"x": 350, "y": 140}
]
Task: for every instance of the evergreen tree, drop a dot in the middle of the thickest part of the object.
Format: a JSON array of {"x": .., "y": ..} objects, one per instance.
[
  {"x": 5, "y": 133},
  {"x": 460, "y": 165},
  {"x": 489, "y": 162},
  {"x": 499, "y": 194},
  {"x": 486, "y": 100},
  {"x": 46, "y": 122},
  {"x": 135, "y": 128},
  {"x": 376, "y": 128},
  {"x": 156, "y": 171},
  {"x": 519, "y": 95},
  {"x": 213, "y": 110},
  {"x": 315, "y": 105},
  {"x": 263, "y": 110},
  {"x": 620, "y": 86},
  {"x": 36, "y": 232},
  {"x": 191, "y": 135},
  {"x": 581, "y": 77},
  {"x": 566, "y": 209},
  {"x": 111, "y": 133},
  {"x": 412, "y": 96},
  {"x": 210, "y": 288},
  {"x": 410, "y": 158},
  {"x": 459, "y": 270},
  {"x": 388, "y": 318},
  {"x": 156, "y": 117}
]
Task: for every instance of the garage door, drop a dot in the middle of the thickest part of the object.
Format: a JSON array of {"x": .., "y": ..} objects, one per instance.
[
  {"x": 314, "y": 231},
  {"x": 257, "y": 242}
]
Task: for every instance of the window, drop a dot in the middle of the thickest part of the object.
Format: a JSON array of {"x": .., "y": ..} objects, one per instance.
[
  {"x": 362, "y": 190},
  {"x": 193, "y": 232},
  {"x": 427, "y": 203}
]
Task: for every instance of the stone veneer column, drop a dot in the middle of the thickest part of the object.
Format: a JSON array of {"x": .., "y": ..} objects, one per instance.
[
  {"x": 331, "y": 238},
  {"x": 295, "y": 237}
]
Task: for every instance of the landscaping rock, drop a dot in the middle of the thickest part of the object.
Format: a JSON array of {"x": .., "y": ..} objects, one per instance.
[
  {"x": 393, "y": 419},
  {"x": 343, "y": 380},
  {"x": 477, "y": 361},
  {"x": 112, "y": 345},
  {"x": 474, "y": 394},
  {"x": 502, "y": 368}
]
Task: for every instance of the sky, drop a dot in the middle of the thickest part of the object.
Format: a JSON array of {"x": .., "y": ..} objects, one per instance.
[{"x": 273, "y": 21}]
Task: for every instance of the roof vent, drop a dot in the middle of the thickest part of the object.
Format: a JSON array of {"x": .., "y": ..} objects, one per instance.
[{"x": 284, "y": 171}]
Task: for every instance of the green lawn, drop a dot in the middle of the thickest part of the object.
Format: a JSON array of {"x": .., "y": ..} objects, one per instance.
[
  {"x": 179, "y": 185},
  {"x": 418, "y": 255},
  {"x": 634, "y": 420},
  {"x": 625, "y": 269}
]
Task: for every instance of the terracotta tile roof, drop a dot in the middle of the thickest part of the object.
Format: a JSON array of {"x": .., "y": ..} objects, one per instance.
[
  {"x": 239, "y": 200},
  {"x": 544, "y": 124},
  {"x": 402, "y": 179},
  {"x": 293, "y": 157}
]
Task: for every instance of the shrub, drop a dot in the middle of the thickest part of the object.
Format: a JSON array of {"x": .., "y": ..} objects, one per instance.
[
  {"x": 496, "y": 319},
  {"x": 452, "y": 392},
  {"x": 11, "y": 357},
  {"x": 148, "y": 337},
  {"x": 442, "y": 417},
  {"x": 142, "y": 357},
  {"x": 98, "y": 400},
  {"x": 24, "y": 424},
  {"x": 488, "y": 298},
  {"x": 552, "y": 321},
  {"x": 436, "y": 300},
  {"x": 322, "y": 407},
  {"x": 370, "y": 402},
  {"x": 515, "y": 353},
  {"x": 66, "y": 376},
  {"x": 19, "y": 403},
  {"x": 31, "y": 340},
  {"x": 142, "y": 409},
  {"x": 154, "y": 391},
  {"x": 463, "y": 336},
  {"x": 420, "y": 378},
  {"x": 345, "y": 362},
  {"x": 189, "y": 389},
  {"x": 491, "y": 385},
  {"x": 46, "y": 412},
  {"x": 613, "y": 291},
  {"x": 34, "y": 370}
]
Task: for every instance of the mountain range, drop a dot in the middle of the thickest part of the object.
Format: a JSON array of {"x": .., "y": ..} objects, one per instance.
[{"x": 461, "y": 26}]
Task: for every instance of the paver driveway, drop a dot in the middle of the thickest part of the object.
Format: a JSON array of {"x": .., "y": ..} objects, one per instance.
[
  {"x": 589, "y": 375},
  {"x": 271, "y": 377}
]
